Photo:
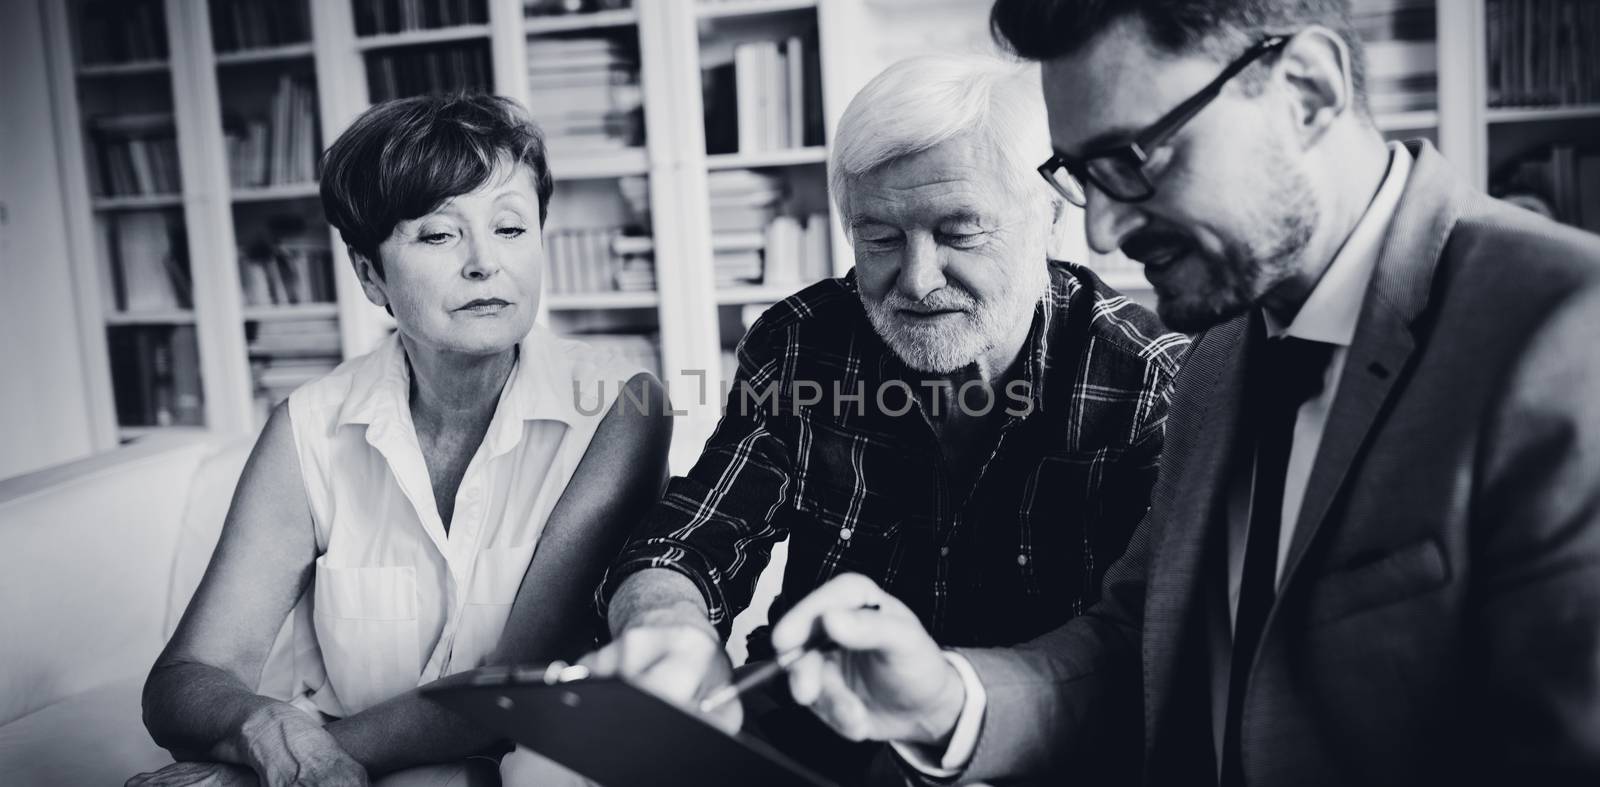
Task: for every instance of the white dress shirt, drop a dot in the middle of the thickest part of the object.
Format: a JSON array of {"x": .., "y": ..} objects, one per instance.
[
  {"x": 395, "y": 600},
  {"x": 1329, "y": 315}
]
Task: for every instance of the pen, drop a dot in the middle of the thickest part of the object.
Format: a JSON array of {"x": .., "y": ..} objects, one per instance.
[{"x": 819, "y": 643}]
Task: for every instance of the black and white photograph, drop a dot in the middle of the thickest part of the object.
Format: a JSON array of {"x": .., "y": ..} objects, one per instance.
[{"x": 799, "y": 393}]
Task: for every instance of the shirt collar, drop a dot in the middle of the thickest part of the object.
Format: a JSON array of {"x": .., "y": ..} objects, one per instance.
[
  {"x": 1331, "y": 311},
  {"x": 541, "y": 387}
]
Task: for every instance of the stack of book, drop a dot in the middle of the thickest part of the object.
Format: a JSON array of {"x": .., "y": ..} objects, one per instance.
[
  {"x": 398, "y": 16},
  {"x": 135, "y": 155},
  {"x": 796, "y": 250},
  {"x": 582, "y": 260},
  {"x": 414, "y": 71},
  {"x": 286, "y": 354},
  {"x": 1402, "y": 54},
  {"x": 1560, "y": 181},
  {"x": 743, "y": 202},
  {"x": 156, "y": 370},
  {"x": 635, "y": 263},
  {"x": 765, "y": 98},
  {"x": 121, "y": 31},
  {"x": 585, "y": 94},
  {"x": 256, "y": 24},
  {"x": 281, "y": 148},
  {"x": 146, "y": 252},
  {"x": 286, "y": 272},
  {"x": 1543, "y": 52}
]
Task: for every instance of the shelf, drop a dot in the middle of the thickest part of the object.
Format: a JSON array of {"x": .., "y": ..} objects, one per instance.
[
  {"x": 278, "y": 192},
  {"x": 163, "y": 317},
  {"x": 607, "y": 165},
  {"x": 768, "y": 158},
  {"x": 537, "y": 25},
  {"x": 565, "y": 302},
  {"x": 717, "y": 10},
  {"x": 415, "y": 37},
  {"x": 138, "y": 202},
  {"x": 758, "y": 293},
  {"x": 1536, "y": 114},
  {"x": 294, "y": 311},
  {"x": 125, "y": 433},
  {"x": 1408, "y": 121},
  {"x": 123, "y": 69},
  {"x": 265, "y": 54}
]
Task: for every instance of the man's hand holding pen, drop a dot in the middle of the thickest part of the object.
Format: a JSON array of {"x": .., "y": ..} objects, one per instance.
[{"x": 886, "y": 679}]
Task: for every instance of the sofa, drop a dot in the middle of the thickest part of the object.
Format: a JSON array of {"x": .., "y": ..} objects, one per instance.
[{"x": 98, "y": 559}]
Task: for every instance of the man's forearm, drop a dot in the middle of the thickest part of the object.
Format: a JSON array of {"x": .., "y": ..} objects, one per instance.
[{"x": 657, "y": 595}]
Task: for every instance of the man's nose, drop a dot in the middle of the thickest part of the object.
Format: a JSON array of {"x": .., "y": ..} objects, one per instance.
[
  {"x": 1110, "y": 222},
  {"x": 920, "y": 272}
]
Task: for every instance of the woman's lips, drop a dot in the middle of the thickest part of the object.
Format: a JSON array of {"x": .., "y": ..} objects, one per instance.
[{"x": 484, "y": 306}]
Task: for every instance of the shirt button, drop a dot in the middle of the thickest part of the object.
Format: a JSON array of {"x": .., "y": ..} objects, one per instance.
[
  {"x": 1022, "y": 560},
  {"x": 844, "y": 534},
  {"x": 944, "y": 551}
]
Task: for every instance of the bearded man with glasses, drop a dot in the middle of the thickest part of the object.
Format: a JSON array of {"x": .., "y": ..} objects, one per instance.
[{"x": 1373, "y": 549}]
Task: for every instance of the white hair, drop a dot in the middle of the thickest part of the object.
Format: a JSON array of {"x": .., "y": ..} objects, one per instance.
[{"x": 921, "y": 102}]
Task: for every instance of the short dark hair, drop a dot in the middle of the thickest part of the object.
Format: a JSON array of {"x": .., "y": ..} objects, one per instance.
[
  {"x": 402, "y": 159},
  {"x": 1048, "y": 29}
]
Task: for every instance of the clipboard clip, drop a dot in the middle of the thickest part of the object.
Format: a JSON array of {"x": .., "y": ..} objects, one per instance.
[{"x": 552, "y": 674}]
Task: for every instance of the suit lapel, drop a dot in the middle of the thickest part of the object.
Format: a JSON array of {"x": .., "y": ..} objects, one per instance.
[
  {"x": 1200, "y": 451},
  {"x": 1384, "y": 341}
]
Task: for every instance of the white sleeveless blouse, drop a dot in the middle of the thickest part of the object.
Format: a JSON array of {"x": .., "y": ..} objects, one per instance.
[{"x": 396, "y": 602}]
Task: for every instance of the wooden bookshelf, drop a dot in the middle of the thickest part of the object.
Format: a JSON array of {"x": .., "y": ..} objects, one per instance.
[
  {"x": 123, "y": 69},
  {"x": 1543, "y": 114},
  {"x": 166, "y": 317},
  {"x": 308, "y": 190},
  {"x": 770, "y": 158},
  {"x": 611, "y": 165},
  {"x": 657, "y": 184},
  {"x": 570, "y": 23},
  {"x": 441, "y": 35},
  {"x": 719, "y": 9},
  {"x": 299, "y": 311},
  {"x": 137, "y": 202},
  {"x": 266, "y": 54}
]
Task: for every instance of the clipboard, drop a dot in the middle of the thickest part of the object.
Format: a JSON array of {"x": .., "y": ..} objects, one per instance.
[{"x": 612, "y": 731}]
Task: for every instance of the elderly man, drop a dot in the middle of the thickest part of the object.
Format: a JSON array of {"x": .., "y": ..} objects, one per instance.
[
  {"x": 1373, "y": 554},
  {"x": 972, "y": 425}
]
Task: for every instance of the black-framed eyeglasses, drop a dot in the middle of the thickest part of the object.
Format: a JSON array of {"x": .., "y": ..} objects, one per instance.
[{"x": 1118, "y": 170}]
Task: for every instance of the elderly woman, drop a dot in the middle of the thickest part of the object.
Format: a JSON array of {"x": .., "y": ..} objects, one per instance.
[{"x": 448, "y": 500}]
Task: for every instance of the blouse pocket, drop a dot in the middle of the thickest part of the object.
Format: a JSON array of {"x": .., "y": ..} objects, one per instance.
[
  {"x": 367, "y": 629},
  {"x": 495, "y": 581}
]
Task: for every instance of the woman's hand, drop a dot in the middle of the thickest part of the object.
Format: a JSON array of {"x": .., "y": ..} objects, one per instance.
[
  {"x": 286, "y": 746},
  {"x": 196, "y": 774}
]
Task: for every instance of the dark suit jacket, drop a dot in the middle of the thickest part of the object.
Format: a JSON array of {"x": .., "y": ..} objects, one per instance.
[{"x": 1438, "y": 620}]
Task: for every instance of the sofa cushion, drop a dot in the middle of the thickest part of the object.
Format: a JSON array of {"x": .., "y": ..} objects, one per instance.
[
  {"x": 210, "y": 494},
  {"x": 85, "y": 570},
  {"x": 93, "y": 738}
]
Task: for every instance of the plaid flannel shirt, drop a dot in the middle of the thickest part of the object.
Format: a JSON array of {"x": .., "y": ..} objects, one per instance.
[{"x": 858, "y": 483}]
